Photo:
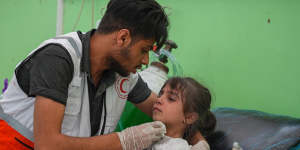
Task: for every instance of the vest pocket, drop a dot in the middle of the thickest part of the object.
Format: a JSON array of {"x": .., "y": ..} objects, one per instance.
[
  {"x": 74, "y": 97},
  {"x": 73, "y": 108},
  {"x": 71, "y": 117}
]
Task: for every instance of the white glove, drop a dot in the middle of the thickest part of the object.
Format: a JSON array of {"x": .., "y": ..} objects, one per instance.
[{"x": 141, "y": 136}]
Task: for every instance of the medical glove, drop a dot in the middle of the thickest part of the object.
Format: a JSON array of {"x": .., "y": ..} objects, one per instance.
[{"x": 141, "y": 136}]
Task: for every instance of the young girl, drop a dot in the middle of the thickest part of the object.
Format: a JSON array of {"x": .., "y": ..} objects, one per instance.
[{"x": 183, "y": 106}]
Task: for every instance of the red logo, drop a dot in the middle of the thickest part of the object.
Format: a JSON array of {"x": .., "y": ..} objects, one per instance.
[{"x": 121, "y": 87}]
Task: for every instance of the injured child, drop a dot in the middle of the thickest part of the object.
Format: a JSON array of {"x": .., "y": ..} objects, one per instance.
[{"x": 183, "y": 105}]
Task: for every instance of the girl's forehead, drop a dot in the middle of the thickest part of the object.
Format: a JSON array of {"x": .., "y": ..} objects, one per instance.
[
  {"x": 168, "y": 87},
  {"x": 168, "y": 90}
]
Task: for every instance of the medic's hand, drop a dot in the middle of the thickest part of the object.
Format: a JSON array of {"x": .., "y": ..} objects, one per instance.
[{"x": 141, "y": 136}]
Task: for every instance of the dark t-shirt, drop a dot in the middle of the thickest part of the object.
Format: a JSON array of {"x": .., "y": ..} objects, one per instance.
[{"x": 49, "y": 71}]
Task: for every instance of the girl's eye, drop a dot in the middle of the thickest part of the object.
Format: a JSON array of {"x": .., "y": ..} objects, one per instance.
[{"x": 172, "y": 99}]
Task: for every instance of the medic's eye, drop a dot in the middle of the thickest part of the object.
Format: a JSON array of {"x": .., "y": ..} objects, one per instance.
[{"x": 145, "y": 51}]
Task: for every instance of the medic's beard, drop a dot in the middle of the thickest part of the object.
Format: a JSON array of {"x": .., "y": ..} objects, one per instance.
[{"x": 116, "y": 65}]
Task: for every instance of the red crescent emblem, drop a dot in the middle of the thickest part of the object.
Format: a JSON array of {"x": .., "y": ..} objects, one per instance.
[{"x": 121, "y": 85}]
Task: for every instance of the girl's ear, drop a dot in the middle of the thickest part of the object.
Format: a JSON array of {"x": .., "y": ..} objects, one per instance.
[{"x": 190, "y": 118}]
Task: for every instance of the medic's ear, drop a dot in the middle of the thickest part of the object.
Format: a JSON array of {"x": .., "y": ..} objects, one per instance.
[
  {"x": 191, "y": 117},
  {"x": 123, "y": 38}
]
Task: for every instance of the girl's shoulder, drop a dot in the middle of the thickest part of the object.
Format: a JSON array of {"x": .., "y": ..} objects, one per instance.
[
  {"x": 202, "y": 145},
  {"x": 169, "y": 143}
]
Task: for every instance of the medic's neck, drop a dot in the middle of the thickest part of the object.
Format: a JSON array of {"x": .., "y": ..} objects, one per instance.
[{"x": 100, "y": 45}]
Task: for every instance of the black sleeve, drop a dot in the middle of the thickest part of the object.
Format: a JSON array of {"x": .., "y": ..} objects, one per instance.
[
  {"x": 140, "y": 92},
  {"x": 49, "y": 73}
]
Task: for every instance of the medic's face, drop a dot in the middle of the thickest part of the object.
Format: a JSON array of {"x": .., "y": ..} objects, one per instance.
[
  {"x": 132, "y": 56},
  {"x": 138, "y": 55}
]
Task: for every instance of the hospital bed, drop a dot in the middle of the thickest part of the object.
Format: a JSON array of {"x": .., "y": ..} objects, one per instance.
[{"x": 254, "y": 130}]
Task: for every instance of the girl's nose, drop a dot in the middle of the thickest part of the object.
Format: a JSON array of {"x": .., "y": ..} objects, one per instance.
[{"x": 159, "y": 100}]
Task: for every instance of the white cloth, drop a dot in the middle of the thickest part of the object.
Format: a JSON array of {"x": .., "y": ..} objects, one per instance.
[
  {"x": 169, "y": 143},
  {"x": 154, "y": 77},
  {"x": 201, "y": 145}
]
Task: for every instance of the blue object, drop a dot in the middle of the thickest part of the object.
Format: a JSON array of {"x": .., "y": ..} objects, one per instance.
[
  {"x": 296, "y": 148},
  {"x": 286, "y": 141},
  {"x": 5, "y": 85}
]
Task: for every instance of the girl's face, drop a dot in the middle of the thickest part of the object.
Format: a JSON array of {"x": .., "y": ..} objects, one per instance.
[{"x": 169, "y": 107}]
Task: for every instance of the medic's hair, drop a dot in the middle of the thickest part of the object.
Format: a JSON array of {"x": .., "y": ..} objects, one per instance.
[{"x": 143, "y": 18}]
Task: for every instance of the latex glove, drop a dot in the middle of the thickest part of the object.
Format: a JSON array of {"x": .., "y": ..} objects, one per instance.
[{"x": 141, "y": 136}]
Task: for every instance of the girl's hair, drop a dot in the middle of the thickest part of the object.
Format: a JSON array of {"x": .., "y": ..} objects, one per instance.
[{"x": 196, "y": 98}]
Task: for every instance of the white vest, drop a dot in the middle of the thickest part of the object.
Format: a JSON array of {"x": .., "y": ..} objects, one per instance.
[{"x": 76, "y": 121}]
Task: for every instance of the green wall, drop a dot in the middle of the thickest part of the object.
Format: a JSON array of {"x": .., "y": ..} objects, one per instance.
[{"x": 229, "y": 46}]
